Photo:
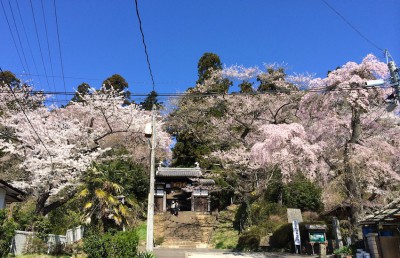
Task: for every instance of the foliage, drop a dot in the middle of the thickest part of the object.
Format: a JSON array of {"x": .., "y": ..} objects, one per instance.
[
  {"x": 94, "y": 246},
  {"x": 121, "y": 244},
  {"x": 225, "y": 238},
  {"x": 7, "y": 231},
  {"x": 66, "y": 216},
  {"x": 146, "y": 255},
  {"x": 24, "y": 214},
  {"x": 71, "y": 138},
  {"x": 242, "y": 218},
  {"x": 249, "y": 241},
  {"x": 282, "y": 237},
  {"x": 35, "y": 245},
  {"x": 141, "y": 231},
  {"x": 302, "y": 194},
  {"x": 151, "y": 99},
  {"x": 224, "y": 235},
  {"x": 267, "y": 215},
  {"x": 343, "y": 250},
  {"x": 159, "y": 240},
  {"x": 42, "y": 227},
  {"x": 83, "y": 89},
  {"x": 111, "y": 191},
  {"x": 119, "y": 84}
]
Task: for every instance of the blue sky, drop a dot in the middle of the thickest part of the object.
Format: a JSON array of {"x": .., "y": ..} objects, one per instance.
[{"x": 100, "y": 38}]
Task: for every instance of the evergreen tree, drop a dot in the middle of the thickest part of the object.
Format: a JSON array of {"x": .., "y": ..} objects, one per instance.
[
  {"x": 7, "y": 77},
  {"x": 208, "y": 64},
  {"x": 83, "y": 89},
  {"x": 246, "y": 87},
  {"x": 119, "y": 84},
  {"x": 151, "y": 99}
]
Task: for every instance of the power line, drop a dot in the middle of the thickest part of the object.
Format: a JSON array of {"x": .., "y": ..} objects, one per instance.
[
  {"x": 19, "y": 38},
  {"x": 98, "y": 79},
  {"x": 26, "y": 116},
  {"x": 40, "y": 47},
  {"x": 144, "y": 43},
  {"x": 12, "y": 35},
  {"x": 59, "y": 45},
  {"x": 48, "y": 44},
  {"x": 27, "y": 39},
  {"x": 210, "y": 94},
  {"x": 352, "y": 26}
]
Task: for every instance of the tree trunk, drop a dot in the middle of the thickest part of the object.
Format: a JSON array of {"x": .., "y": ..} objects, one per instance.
[
  {"x": 43, "y": 209},
  {"x": 353, "y": 190},
  {"x": 41, "y": 201}
]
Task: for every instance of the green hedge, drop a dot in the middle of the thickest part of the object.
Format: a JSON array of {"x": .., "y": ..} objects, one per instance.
[
  {"x": 119, "y": 245},
  {"x": 7, "y": 229}
]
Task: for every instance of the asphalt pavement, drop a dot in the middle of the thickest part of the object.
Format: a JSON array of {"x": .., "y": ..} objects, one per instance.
[{"x": 210, "y": 253}]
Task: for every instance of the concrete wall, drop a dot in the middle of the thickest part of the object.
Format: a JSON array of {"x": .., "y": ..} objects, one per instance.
[
  {"x": 21, "y": 240},
  {"x": 73, "y": 235}
]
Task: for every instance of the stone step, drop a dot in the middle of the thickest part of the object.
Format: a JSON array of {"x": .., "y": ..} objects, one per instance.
[{"x": 188, "y": 229}]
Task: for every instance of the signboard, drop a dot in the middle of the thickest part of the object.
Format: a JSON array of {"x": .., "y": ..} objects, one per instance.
[
  {"x": 294, "y": 214},
  {"x": 296, "y": 232},
  {"x": 317, "y": 237}
]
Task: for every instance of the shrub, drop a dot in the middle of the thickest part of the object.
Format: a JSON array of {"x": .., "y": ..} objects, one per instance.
[
  {"x": 121, "y": 244},
  {"x": 94, "y": 246},
  {"x": 159, "y": 240},
  {"x": 303, "y": 194},
  {"x": 7, "y": 229},
  {"x": 343, "y": 250},
  {"x": 282, "y": 237},
  {"x": 146, "y": 255},
  {"x": 35, "y": 245},
  {"x": 249, "y": 241}
]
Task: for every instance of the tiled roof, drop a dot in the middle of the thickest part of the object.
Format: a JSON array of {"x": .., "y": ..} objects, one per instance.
[
  {"x": 203, "y": 181},
  {"x": 178, "y": 172},
  {"x": 389, "y": 214},
  {"x": 12, "y": 193}
]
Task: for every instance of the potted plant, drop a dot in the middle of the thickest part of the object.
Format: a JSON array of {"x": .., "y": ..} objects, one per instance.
[{"x": 343, "y": 252}]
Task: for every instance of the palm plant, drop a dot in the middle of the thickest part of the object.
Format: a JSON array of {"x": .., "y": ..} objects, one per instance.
[{"x": 102, "y": 191}]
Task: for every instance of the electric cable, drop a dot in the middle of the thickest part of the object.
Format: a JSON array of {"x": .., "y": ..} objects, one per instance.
[
  {"x": 48, "y": 44},
  {"x": 38, "y": 40},
  {"x": 352, "y": 26},
  {"x": 27, "y": 39},
  {"x": 98, "y": 79},
  {"x": 144, "y": 43},
  {"x": 211, "y": 94},
  {"x": 19, "y": 38},
  {"x": 59, "y": 44},
  {"x": 26, "y": 116},
  {"x": 12, "y": 36}
]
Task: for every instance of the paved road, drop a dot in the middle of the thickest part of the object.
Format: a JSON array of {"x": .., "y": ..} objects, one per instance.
[{"x": 210, "y": 253}]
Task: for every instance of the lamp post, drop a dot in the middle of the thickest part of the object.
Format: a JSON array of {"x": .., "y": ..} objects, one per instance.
[{"x": 150, "y": 206}]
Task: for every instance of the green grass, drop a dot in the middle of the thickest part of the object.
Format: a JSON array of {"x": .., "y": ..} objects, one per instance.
[
  {"x": 142, "y": 231},
  {"x": 225, "y": 238}
]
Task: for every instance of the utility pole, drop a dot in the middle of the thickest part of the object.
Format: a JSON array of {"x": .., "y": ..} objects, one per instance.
[
  {"x": 150, "y": 205},
  {"x": 394, "y": 80}
]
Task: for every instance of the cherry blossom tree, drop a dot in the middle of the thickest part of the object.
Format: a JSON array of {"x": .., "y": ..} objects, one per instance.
[
  {"x": 58, "y": 144},
  {"x": 348, "y": 120}
]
